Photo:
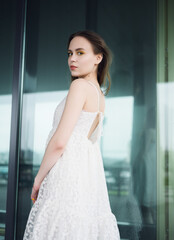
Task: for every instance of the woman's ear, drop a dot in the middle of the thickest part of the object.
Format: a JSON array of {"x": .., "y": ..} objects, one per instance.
[{"x": 99, "y": 58}]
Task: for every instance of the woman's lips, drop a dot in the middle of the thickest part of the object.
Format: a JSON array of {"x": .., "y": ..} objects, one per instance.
[{"x": 73, "y": 67}]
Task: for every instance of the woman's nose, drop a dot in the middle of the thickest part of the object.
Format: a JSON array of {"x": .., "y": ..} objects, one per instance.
[{"x": 73, "y": 57}]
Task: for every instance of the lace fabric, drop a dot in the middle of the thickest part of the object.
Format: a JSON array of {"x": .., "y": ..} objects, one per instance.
[{"x": 73, "y": 202}]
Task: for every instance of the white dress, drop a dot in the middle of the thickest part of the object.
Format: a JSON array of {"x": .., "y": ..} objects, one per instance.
[{"x": 72, "y": 202}]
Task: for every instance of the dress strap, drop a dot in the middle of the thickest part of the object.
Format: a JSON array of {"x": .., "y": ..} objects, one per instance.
[{"x": 97, "y": 94}]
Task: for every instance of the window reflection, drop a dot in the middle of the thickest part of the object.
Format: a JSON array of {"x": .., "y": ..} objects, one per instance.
[
  {"x": 37, "y": 123},
  {"x": 130, "y": 168},
  {"x": 5, "y": 122},
  {"x": 166, "y": 114},
  {"x": 166, "y": 133},
  {"x": 118, "y": 129},
  {"x": 116, "y": 147},
  {"x": 116, "y": 144}
]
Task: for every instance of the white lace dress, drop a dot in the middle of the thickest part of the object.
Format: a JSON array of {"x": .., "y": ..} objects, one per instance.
[{"x": 72, "y": 202}]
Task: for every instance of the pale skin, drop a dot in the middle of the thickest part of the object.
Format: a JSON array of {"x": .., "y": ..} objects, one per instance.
[{"x": 81, "y": 96}]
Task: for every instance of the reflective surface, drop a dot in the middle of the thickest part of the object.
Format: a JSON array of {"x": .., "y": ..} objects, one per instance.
[
  {"x": 166, "y": 163},
  {"x": 46, "y": 81},
  {"x": 7, "y": 29},
  {"x": 129, "y": 142}
]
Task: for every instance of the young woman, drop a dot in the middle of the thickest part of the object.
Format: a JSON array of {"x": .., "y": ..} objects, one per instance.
[{"x": 70, "y": 193}]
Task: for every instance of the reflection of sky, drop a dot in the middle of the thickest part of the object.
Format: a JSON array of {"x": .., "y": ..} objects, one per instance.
[
  {"x": 41, "y": 107},
  {"x": 5, "y": 122},
  {"x": 166, "y": 115},
  {"x": 45, "y": 105},
  {"x": 117, "y": 132},
  {"x": 117, "y": 127},
  {"x": 44, "y": 112},
  {"x": 118, "y": 121}
]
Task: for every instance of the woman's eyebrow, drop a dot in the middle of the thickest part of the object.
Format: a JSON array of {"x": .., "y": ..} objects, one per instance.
[{"x": 76, "y": 49}]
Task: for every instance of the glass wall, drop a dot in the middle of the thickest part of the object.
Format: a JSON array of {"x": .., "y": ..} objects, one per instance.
[
  {"x": 7, "y": 39},
  {"x": 46, "y": 82},
  {"x": 137, "y": 153},
  {"x": 129, "y": 141}
]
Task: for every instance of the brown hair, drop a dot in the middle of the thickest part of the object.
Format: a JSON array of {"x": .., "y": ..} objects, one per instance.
[{"x": 99, "y": 46}]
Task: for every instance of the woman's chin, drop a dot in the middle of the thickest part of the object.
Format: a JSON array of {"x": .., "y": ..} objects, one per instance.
[
  {"x": 74, "y": 75},
  {"x": 77, "y": 75}
]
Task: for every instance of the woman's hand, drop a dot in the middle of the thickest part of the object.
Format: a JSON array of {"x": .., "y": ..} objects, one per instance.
[{"x": 35, "y": 191}]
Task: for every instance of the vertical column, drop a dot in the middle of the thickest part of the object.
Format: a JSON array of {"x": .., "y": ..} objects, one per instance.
[
  {"x": 165, "y": 116},
  {"x": 171, "y": 116},
  {"x": 161, "y": 42},
  {"x": 17, "y": 90}
]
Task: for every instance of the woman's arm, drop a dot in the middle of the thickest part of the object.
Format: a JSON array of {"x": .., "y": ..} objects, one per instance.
[{"x": 74, "y": 104}]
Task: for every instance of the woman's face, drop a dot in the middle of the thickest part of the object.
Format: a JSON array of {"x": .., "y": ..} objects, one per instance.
[{"x": 81, "y": 59}]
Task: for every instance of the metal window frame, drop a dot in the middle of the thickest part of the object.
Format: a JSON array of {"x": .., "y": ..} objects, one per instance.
[
  {"x": 17, "y": 94},
  {"x": 165, "y": 73}
]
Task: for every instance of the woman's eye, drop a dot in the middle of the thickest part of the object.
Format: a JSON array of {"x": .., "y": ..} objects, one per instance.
[{"x": 79, "y": 53}]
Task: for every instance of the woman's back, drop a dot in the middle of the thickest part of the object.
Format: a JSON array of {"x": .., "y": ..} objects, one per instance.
[{"x": 91, "y": 103}]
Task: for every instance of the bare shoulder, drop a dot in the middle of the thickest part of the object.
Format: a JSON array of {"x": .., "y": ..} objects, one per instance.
[
  {"x": 77, "y": 89},
  {"x": 79, "y": 82}
]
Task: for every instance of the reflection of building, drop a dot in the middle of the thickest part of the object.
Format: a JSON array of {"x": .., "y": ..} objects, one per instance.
[{"x": 4, "y": 157}]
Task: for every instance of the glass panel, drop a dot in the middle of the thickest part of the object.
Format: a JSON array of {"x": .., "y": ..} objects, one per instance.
[
  {"x": 166, "y": 149},
  {"x": 129, "y": 140},
  {"x": 7, "y": 38},
  {"x": 46, "y": 81}
]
